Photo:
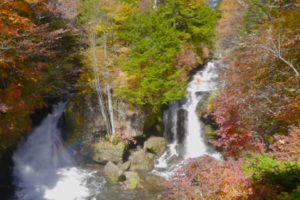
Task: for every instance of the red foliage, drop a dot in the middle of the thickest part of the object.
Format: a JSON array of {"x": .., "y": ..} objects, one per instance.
[
  {"x": 234, "y": 134},
  {"x": 208, "y": 178},
  {"x": 124, "y": 131},
  {"x": 287, "y": 147}
]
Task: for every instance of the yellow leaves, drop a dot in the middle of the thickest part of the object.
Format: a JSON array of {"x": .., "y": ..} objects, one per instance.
[
  {"x": 114, "y": 14},
  {"x": 99, "y": 28},
  {"x": 194, "y": 4}
]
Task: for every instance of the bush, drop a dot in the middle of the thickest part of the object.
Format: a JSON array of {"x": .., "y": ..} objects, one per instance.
[
  {"x": 208, "y": 178},
  {"x": 278, "y": 175}
]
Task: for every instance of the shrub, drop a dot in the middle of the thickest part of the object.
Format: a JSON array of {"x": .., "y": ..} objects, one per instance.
[{"x": 208, "y": 178}]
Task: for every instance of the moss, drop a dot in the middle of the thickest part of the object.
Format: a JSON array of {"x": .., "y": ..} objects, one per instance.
[{"x": 132, "y": 183}]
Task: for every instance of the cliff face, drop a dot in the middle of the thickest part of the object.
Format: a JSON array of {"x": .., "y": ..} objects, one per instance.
[{"x": 85, "y": 122}]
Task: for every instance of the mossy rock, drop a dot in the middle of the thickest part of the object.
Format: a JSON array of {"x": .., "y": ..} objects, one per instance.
[
  {"x": 125, "y": 166},
  {"x": 113, "y": 172},
  {"x": 104, "y": 151},
  {"x": 141, "y": 160},
  {"x": 132, "y": 180},
  {"x": 156, "y": 145}
]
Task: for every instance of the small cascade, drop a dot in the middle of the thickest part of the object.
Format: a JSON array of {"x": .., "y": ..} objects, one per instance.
[
  {"x": 44, "y": 169},
  {"x": 182, "y": 125}
]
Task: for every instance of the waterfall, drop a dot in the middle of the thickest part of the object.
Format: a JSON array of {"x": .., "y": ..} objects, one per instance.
[
  {"x": 202, "y": 82},
  {"x": 182, "y": 125},
  {"x": 44, "y": 169}
]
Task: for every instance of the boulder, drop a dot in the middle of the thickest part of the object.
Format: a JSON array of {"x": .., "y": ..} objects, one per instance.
[
  {"x": 125, "y": 166},
  {"x": 141, "y": 160},
  {"x": 105, "y": 151},
  {"x": 154, "y": 180},
  {"x": 153, "y": 183},
  {"x": 156, "y": 145},
  {"x": 113, "y": 172},
  {"x": 132, "y": 180}
]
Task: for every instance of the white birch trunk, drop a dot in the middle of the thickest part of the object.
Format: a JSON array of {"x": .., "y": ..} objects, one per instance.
[
  {"x": 111, "y": 113},
  {"x": 98, "y": 85}
]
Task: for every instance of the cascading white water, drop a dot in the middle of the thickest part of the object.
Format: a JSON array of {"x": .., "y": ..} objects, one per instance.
[
  {"x": 44, "y": 170},
  {"x": 203, "y": 81},
  {"x": 194, "y": 146}
]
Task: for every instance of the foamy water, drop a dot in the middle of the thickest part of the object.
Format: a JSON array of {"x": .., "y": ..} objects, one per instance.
[
  {"x": 44, "y": 169},
  {"x": 194, "y": 146}
]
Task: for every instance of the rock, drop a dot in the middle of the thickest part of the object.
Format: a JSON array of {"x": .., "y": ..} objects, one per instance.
[
  {"x": 151, "y": 183},
  {"x": 141, "y": 160},
  {"x": 84, "y": 121},
  {"x": 105, "y": 151},
  {"x": 132, "y": 180},
  {"x": 113, "y": 172},
  {"x": 154, "y": 180},
  {"x": 125, "y": 166},
  {"x": 156, "y": 145},
  {"x": 182, "y": 116},
  {"x": 170, "y": 123}
]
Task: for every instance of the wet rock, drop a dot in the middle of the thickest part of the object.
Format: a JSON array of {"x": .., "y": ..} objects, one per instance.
[
  {"x": 113, "y": 172},
  {"x": 132, "y": 180},
  {"x": 181, "y": 124},
  {"x": 170, "y": 125},
  {"x": 141, "y": 160},
  {"x": 105, "y": 151}
]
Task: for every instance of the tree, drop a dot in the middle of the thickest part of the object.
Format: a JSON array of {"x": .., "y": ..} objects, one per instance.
[
  {"x": 27, "y": 44},
  {"x": 158, "y": 40},
  {"x": 103, "y": 19},
  {"x": 262, "y": 82}
]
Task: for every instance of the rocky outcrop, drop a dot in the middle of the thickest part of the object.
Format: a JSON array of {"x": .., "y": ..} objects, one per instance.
[
  {"x": 182, "y": 116},
  {"x": 208, "y": 125},
  {"x": 156, "y": 145},
  {"x": 141, "y": 160},
  {"x": 84, "y": 119},
  {"x": 113, "y": 172},
  {"x": 105, "y": 151}
]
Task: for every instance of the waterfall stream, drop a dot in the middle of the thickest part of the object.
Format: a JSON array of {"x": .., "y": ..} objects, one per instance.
[
  {"x": 182, "y": 125},
  {"x": 44, "y": 169}
]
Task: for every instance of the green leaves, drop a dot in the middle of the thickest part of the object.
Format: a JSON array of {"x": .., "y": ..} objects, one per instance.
[
  {"x": 266, "y": 170},
  {"x": 155, "y": 39},
  {"x": 154, "y": 45}
]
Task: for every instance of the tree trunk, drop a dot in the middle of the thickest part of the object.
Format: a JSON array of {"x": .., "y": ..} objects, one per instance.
[
  {"x": 98, "y": 85},
  {"x": 111, "y": 113}
]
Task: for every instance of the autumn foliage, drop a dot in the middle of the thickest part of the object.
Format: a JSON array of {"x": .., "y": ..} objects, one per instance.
[
  {"x": 208, "y": 178},
  {"x": 256, "y": 108},
  {"x": 28, "y": 42},
  {"x": 258, "y": 92}
]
